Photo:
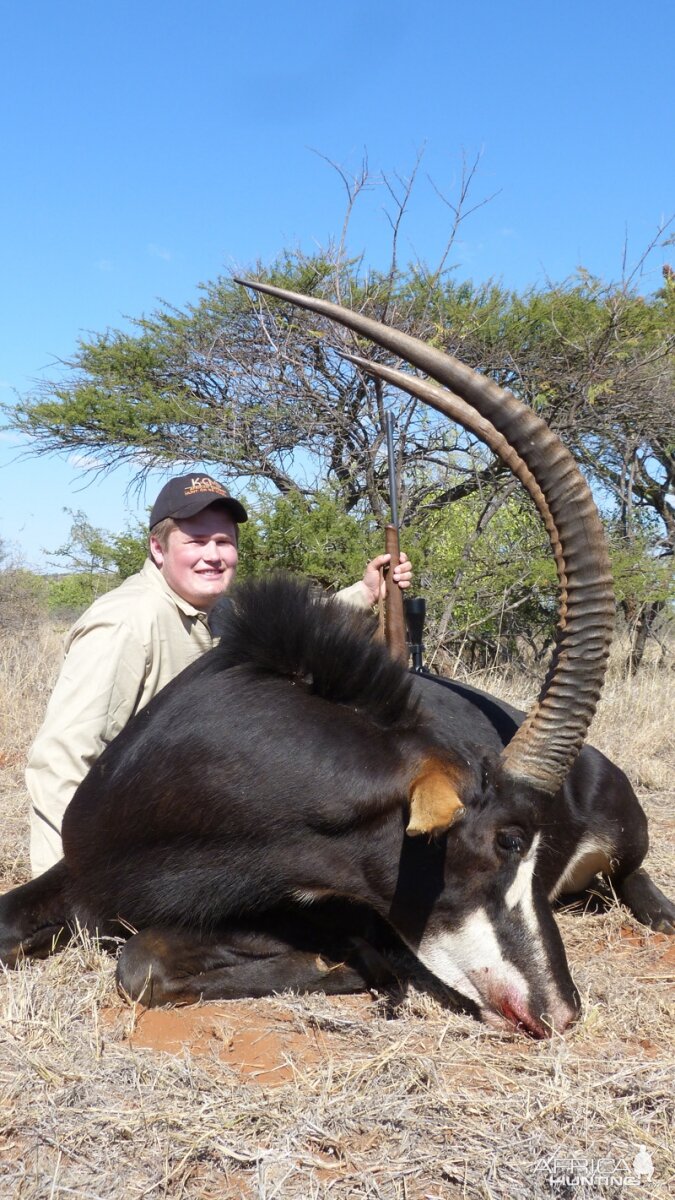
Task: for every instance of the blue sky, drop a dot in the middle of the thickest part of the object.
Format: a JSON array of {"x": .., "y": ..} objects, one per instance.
[{"x": 147, "y": 146}]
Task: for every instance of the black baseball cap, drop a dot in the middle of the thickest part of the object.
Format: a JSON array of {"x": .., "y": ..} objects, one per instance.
[{"x": 188, "y": 495}]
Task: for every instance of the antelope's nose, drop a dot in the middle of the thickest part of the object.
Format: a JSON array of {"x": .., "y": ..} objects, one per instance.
[{"x": 562, "y": 1014}]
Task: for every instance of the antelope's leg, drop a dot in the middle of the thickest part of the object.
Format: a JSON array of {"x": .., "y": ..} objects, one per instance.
[
  {"x": 646, "y": 902},
  {"x": 34, "y": 917},
  {"x": 172, "y": 966}
]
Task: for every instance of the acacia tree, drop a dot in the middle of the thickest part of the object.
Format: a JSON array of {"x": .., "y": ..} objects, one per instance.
[
  {"x": 265, "y": 397},
  {"x": 265, "y": 394}
]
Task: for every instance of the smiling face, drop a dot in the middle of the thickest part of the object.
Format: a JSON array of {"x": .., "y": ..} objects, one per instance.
[{"x": 199, "y": 558}]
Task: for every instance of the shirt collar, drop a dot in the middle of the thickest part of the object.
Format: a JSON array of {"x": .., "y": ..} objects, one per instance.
[{"x": 154, "y": 576}]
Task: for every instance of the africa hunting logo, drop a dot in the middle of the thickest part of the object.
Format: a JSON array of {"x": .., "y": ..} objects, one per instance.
[
  {"x": 564, "y": 1172},
  {"x": 643, "y": 1164}
]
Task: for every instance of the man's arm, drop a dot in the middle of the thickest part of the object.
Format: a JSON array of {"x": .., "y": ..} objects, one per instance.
[
  {"x": 96, "y": 693},
  {"x": 366, "y": 592}
]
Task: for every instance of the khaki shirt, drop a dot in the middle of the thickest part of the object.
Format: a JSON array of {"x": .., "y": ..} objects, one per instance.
[{"x": 127, "y": 646}]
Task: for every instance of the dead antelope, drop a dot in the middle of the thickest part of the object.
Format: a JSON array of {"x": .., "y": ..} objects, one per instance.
[{"x": 296, "y": 801}]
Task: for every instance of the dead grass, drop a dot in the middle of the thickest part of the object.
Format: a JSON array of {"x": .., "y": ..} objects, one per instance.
[
  {"x": 319, "y": 1097},
  {"x": 634, "y": 723},
  {"x": 29, "y": 663}
]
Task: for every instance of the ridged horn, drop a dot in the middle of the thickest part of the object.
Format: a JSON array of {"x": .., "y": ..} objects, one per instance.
[
  {"x": 548, "y": 741},
  {"x": 446, "y": 402}
]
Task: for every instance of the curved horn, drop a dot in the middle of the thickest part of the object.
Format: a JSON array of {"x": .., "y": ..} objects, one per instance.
[
  {"x": 545, "y": 746},
  {"x": 458, "y": 410}
]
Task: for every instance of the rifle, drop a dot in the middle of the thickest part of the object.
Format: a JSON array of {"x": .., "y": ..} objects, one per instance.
[
  {"x": 399, "y": 613},
  {"x": 394, "y": 620}
]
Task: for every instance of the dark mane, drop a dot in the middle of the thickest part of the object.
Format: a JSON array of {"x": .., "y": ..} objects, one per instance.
[{"x": 280, "y": 626}]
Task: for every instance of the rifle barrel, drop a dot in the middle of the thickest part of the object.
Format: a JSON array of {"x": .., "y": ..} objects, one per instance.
[
  {"x": 394, "y": 624},
  {"x": 393, "y": 490}
]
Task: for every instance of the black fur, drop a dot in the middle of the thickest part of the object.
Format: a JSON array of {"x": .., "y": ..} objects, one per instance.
[{"x": 279, "y": 626}]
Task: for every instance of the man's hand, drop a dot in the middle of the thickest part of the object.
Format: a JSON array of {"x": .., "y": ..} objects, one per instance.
[{"x": 372, "y": 580}]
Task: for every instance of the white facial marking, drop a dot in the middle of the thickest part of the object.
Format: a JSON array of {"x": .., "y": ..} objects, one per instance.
[
  {"x": 589, "y": 857},
  {"x": 520, "y": 892},
  {"x": 523, "y": 880},
  {"x": 469, "y": 958}
]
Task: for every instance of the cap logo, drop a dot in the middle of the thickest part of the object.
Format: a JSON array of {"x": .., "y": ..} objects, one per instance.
[{"x": 205, "y": 485}]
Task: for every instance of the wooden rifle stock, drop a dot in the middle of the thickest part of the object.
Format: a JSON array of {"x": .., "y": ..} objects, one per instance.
[{"x": 394, "y": 620}]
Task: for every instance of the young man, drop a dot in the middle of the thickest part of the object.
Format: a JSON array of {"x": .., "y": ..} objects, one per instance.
[{"x": 135, "y": 639}]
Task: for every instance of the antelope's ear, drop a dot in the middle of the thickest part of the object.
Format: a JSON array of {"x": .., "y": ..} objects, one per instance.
[{"x": 434, "y": 800}]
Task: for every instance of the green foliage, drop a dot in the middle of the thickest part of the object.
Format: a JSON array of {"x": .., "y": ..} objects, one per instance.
[
  {"x": 640, "y": 577},
  {"x": 69, "y": 595},
  {"x": 129, "y": 550},
  {"x": 314, "y": 538},
  {"x": 488, "y": 577},
  {"x": 99, "y": 553},
  {"x": 98, "y": 561},
  {"x": 23, "y": 597},
  {"x": 87, "y": 549}
]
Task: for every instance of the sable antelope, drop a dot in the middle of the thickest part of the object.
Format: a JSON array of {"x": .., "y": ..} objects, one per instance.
[{"x": 297, "y": 773}]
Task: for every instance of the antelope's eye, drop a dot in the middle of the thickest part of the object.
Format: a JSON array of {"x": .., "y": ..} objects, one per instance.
[{"x": 512, "y": 841}]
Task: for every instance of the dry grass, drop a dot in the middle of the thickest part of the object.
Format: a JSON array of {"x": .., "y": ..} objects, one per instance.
[
  {"x": 29, "y": 663},
  {"x": 641, "y": 705},
  {"x": 345, "y": 1099}
]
